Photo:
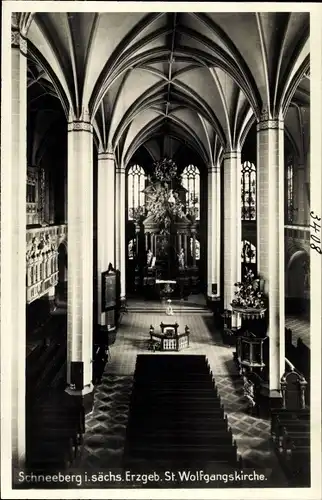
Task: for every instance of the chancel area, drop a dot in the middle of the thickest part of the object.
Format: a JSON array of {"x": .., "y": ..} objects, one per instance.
[{"x": 161, "y": 220}]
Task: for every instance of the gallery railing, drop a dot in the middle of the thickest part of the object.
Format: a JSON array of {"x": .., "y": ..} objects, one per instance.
[{"x": 42, "y": 259}]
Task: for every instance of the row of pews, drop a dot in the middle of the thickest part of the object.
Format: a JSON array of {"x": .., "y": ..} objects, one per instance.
[
  {"x": 176, "y": 417},
  {"x": 54, "y": 420},
  {"x": 46, "y": 362},
  {"x": 55, "y": 430},
  {"x": 290, "y": 425},
  {"x": 299, "y": 355},
  {"x": 290, "y": 431}
]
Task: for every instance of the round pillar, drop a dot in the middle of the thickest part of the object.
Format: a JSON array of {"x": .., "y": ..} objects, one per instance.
[
  {"x": 232, "y": 224},
  {"x": 80, "y": 257},
  {"x": 270, "y": 238},
  {"x": 105, "y": 224},
  {"x": 213, "y": 233}
]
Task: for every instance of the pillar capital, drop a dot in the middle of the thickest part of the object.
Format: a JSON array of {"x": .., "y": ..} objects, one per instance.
[
  {"x": 233, "y": 154},
  {"x": 213, "y": 169},
  {"x": 106, "y": 155},
  {"x": 15, "y": 32},
  {"x": 18, "y": 41},
  {"x": 266, "y": 122},
  {"x": 80, "y": 126},
  {"x": 120, "y": 169}
]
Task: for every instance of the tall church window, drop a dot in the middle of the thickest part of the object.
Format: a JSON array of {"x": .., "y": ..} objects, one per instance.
[
  {"x": 290, "y": 192},
  {"x": 191, "y": 182},
  {"x": 136, "y": 185},
  {"x": 248, "y": 191}
]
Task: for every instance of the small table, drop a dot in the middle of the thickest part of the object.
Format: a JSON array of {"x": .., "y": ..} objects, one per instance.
[{"x": 169, "y": 339}]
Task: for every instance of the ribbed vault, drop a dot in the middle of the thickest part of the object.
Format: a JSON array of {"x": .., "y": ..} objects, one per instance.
[{"x": 200, "y": 78}]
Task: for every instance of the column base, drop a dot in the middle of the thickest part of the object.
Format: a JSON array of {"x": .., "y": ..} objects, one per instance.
[{"x": 86, "y": 396}]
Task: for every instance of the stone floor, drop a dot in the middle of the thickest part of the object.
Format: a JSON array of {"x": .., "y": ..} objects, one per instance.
[{"x": 105, "y": 434}]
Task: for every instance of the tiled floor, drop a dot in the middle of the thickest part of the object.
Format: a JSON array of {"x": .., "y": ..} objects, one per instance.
[
  {"x": 105, "y": 435},
  {"x": 106, "y": 425}
]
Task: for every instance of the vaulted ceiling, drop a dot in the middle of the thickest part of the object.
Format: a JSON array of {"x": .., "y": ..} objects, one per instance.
[{"x": 199, "y": 79}]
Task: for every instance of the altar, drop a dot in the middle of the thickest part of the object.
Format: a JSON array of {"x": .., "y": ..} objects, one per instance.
[{"x": 166, "y": 231}]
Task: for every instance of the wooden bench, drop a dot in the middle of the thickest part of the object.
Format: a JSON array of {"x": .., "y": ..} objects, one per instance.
[{"x": 291, "y": 437}]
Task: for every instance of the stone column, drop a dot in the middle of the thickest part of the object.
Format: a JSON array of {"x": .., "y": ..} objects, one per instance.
[
  {"x": 120, "y": 226},
  {"x": 105, "y": 223},
  {"x": 13, "y": 238},
  {"x": 214, "y": 200},
  {"x": 80, "y": 257},
  {"x": 270, "y": 238},
  {"x": 232, "y": 224}
]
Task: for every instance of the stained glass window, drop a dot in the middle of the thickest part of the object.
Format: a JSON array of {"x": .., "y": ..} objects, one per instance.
[
  {"x": 197, "y": 248},
  {"x": 248, "y": 255},
  {"x": 290, "y": 191},
  {"x": 135, "y": 186},
  {"x": 248, "y": 191},
  {"x": 191, "y": 181}
]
